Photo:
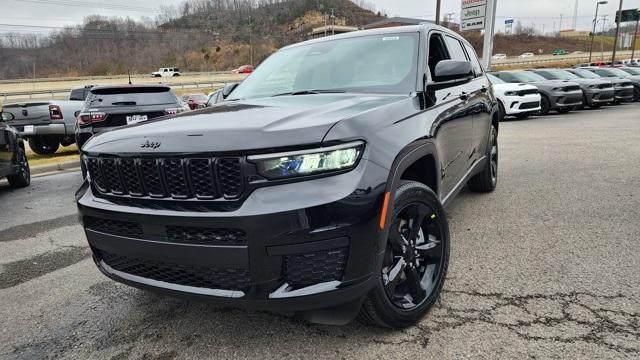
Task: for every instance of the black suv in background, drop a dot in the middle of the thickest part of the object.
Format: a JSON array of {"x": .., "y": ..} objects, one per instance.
[
  {"x": 109, "y": 106},
  {"x": 13, "y": 159},
  {"x": 317, "y": 187}
]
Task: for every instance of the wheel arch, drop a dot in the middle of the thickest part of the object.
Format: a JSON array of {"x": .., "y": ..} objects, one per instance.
[{"x": 409, "y": 165}]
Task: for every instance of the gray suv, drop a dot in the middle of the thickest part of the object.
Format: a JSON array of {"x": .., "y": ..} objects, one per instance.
[
  {"x": 559, "y": 95},
  {"x": 596, "y": 92}
]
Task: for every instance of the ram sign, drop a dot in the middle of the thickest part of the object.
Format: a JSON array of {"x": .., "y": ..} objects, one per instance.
[{"x": 473, "y": 14}]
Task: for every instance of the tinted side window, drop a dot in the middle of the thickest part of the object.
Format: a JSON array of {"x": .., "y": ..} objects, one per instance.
[
  {"x": 455, "y": 49},
  {"x": 507, "y": 77},
  {"x": 77, "y": 94},
  {"x": 477, "y": 67}
]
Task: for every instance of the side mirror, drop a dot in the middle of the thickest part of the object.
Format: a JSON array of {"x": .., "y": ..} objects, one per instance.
[
  {"x": 7, "y": 116},
  {"x": 226, "y": 91},
  {"x": 451, "y": 73}
]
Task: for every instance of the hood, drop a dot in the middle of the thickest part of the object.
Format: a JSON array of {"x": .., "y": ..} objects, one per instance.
[
  {"x": 241, "y": 125},
  {"x": 590, "y": 81},
  {"x": 547, "y": 84},
  {"x": 513, "y": 87}
]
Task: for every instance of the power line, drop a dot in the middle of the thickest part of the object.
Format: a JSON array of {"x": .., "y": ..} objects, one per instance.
[{"x": 93, "y": 5}]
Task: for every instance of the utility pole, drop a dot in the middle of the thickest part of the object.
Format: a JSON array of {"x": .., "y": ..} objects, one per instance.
[
  {"x": 635, "y": 35},
  {"x": 438, "y": 12},
  {"x": 560, "y": 29},
  {"x": 575, "y": 16},
  {"x": 615, "y": 40},
  {"x": 595, "y": 21}
]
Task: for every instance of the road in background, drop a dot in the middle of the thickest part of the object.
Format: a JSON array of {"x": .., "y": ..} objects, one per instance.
[{"x": 544, "y": 267}]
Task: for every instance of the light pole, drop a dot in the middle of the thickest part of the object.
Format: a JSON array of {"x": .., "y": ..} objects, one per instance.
[
  {"x": 437, "y": 12},
  {"x": 615, "y": 40},
  {"x": 595, "y": 21}
]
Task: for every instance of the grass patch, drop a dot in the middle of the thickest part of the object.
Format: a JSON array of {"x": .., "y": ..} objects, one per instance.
[{"x": 64, "y": 154}]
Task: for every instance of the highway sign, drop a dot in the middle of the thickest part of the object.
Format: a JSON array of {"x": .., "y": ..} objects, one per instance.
[
  {"x": 508, "y": 21},
  {"x": 628, "y": 15}
]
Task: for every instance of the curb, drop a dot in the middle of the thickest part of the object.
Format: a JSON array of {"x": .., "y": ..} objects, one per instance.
[{"x": 55, "y": 167}]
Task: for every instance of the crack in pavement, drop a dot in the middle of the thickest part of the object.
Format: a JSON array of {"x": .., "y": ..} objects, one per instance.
[{"x": 572, "y": 318}]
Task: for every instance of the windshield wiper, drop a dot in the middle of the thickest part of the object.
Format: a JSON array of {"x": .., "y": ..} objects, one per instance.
[{"x": 311, "y": 92}]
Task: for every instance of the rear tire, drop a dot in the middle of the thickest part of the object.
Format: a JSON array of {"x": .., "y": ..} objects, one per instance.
[
  {"x": 487, "y": 180},
  {"x": 22, "y": 178},
  {"x": 44, "y": 145},
  {"x": 415, "y": 265}
]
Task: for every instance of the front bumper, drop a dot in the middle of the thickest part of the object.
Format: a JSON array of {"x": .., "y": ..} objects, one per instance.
[
  {"x": 599, "y": 96},
  {"x": 318, "y": 246},
  {"x": 563, "y": 100},
  {"x": 514, "y": 105},
  {"x": 624, "y": 93}
]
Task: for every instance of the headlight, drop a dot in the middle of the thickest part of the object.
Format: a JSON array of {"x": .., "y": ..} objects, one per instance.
[
  {"x": 593, "y": 86},
  {"x": 556, "y": 89},
  {"x": 511, "y": 93},
  {"x": 309, "y": 162}
]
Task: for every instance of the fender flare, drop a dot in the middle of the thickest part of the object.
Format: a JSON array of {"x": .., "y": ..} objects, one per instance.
[{"x": 407, "y": 157}]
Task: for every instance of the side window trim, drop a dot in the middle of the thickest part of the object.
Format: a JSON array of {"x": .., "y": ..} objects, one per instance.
[{"x": 471, "y": 54}]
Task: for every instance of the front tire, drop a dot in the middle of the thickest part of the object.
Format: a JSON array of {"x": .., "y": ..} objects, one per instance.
[
  {"x": 44, "y": 145},
  {"x": 415, "y": 262},
  {"x": 487, "y": 180},
  {"x": 545, "y": 106},
  {"x": 22, "y": 178},
  {"x": 636, "y": 93},
  {"x": 501, "y": 111}
]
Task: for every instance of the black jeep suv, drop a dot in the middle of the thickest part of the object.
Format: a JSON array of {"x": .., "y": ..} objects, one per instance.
[
  {"x": 13, "y": 159},
  {"x": 317, "y": 187}
]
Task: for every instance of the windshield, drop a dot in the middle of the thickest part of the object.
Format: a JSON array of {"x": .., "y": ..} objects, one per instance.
[
  {"x": 611, "y": 72},
  {"x": 378, "y": 64},
  {"x": 585, "y": 74},
  {"x": 563, "y": 75},
  {"x": 130, "y": 97},
  {"x": 631, "y": 71},
  {"x": 495, "y": 80},
  {"x": 527, "y": 76}
]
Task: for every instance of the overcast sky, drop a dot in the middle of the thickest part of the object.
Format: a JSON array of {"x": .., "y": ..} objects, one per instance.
[{"x": 541, "y": 13}]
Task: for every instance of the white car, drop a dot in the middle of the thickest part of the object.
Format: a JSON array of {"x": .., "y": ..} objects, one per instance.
[
  {"x": 499, "y": 56},
  {"x": 527, "y": 55},
  {"x": 519, "y": 100},
  {"x": 166, "y": 72}
]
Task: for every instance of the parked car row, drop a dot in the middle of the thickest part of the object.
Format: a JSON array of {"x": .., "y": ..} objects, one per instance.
[{"x": 525, "y": 92}]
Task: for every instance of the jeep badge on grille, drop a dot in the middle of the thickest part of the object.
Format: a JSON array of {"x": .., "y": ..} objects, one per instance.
[{"x": 151, "y": 144}]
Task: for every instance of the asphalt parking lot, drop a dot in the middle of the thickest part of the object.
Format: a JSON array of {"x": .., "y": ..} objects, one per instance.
[{"x": 547, "y": 266}]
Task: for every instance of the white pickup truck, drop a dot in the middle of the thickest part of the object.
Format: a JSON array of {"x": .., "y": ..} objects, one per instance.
[
  {"x": 47, "y": 124},
  {"x": 166, "y": 72}
]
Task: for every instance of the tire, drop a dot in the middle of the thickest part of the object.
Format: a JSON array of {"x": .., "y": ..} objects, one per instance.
[
  {"x": 425, "y": 266},
  {"x": 157, "y": 75},
  {"x": 487, "y": 180},
  {"x": 636, "y": 93},
  {"x": 44, "y": 145},
  {"x": 545, "y": 106},
  {"x": 501, "y": 111},
  {"x": 523, "y": 116},
  {"x": 68, "y": 141},
  {"x": 22, "y": 178},
  {"x": 585, "y": 103},
  {"x": 176, "y": 74}
]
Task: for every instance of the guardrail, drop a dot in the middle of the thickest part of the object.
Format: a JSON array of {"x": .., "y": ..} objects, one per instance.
[
  {"x": 52, "y": 94},
  {"x": 104, "y": 77},
  {"x": 597, "y": 56}
]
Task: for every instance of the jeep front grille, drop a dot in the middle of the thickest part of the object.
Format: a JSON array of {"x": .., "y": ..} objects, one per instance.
[{"x": 201, "y": 178}]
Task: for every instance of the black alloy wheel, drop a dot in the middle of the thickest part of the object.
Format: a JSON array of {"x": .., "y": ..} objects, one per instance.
[
  {"x": 414, "y": 256},
  {"x": 415, "y": 261},
  {"x": 22, "y": 178}
]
